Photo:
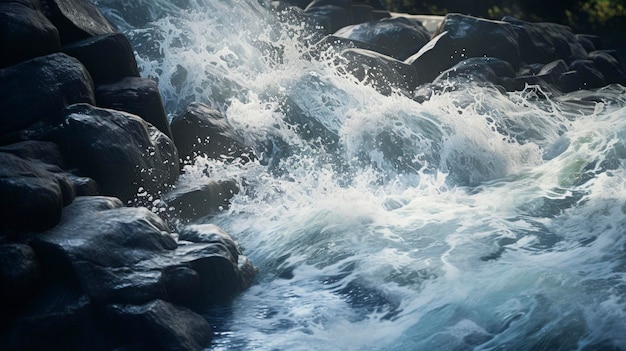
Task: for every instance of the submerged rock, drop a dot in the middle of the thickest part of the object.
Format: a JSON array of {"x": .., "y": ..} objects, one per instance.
[
  {"x": 380, "y": 71},
  {"x": 190, "y": 202},
  {"x": 203, "y": 131},
  {"x": 397, "y": 37}
]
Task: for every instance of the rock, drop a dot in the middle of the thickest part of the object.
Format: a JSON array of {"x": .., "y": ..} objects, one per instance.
[
  {"x": 361, "y": 13},
  {"x": 461, "y": 37},
  {"x": 20, "y": 276},
  {"x": 120, "y": 151},
  {"x": 236, "y": 273},
  {"x": 333, "y": 15},
  {"x": 25, "y": 33},
  {"x": 200, "y": 130},
  {"x": 380, "y": 71},
  {"x": 159, "y": 325},
  {"x": 547, "y": 76},
  {"x": 609, "y": 66},
  {"x": 59, "y": 318},
  {"x": 139, "y": 96},
  {"x": 546, "y": 42},
  {"x": 397, "y": 37},
  {"x": 591, "y": 77},
  {"x": 108, "y": 58},
  {"x": 44, "y": 151},
  {"x": 199, "y": 200},
  {"x": 478, "y": 69},
  {"x": 76, "y": 19},
  {"x": 32, "y": 194},
  {"x": 55, "y": 80},
  {"x": 96, "y": 244},
  {"x": 126, "y": 255}
]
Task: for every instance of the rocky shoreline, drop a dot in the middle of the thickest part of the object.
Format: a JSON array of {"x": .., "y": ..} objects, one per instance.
[{"x": 86, "y": 149}]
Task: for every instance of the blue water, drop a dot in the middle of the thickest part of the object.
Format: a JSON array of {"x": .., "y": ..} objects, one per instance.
[{"x": 473, "y": 221}]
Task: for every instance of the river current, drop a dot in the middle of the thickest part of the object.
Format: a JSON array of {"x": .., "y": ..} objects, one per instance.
[{"x": 475, "y": 220}]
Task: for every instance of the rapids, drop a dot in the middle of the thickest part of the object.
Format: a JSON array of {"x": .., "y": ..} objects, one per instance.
[{"x": 474, "y": 220}]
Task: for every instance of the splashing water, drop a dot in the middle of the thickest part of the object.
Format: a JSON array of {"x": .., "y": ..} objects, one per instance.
[{"x": 475, "y": 220}]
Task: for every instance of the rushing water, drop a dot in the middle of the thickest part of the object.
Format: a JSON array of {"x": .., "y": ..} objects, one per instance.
[{"x": 474, "y": 220}]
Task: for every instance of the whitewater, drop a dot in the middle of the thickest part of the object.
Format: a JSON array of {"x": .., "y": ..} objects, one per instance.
[{"x": 475, "y": 220}]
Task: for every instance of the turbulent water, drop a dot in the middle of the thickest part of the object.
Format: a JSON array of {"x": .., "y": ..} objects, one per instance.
[{"x": 474, "y": 220}]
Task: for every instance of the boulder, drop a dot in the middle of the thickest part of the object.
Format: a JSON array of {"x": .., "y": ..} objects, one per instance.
[
  {"x": 108, "y": 58},
  {"x": 332, "y": 15},
  {"x": 190, "y": 202},
  {"x": 479, "y": 70},
  {"x": 223, "y": 270},
  {"x": 546, "y": 42},
  {"x": 20, "y": 276},
  {"x": 126, "y": 255},
  {"x": 25, "y": 33},
  {"x": 591, "y": 76},
  {"x": 120, "y": 151},
  {"x": 44, "y": 151},
  {"x": 40, "y": 87},
  {"x": 398, "y": 37},
  {"x": 159, "y": 325},
  {"x": 97, "y": 243},
  {"x": 547, "y": 76},
  {"x": 76, "y": 19},
  {"x": 139, "y": 96},
  {"x": 58, "y": 318},
  {"x": 203, "y": 131},
  {"x": 609, "y": 66},
  {"x": 461, "y": 37},
  {"x": 382, "y": 72},
  {"x": 32, "y": 194}
]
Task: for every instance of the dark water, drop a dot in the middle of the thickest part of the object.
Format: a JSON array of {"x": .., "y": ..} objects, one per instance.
[{"x": 472, "y": 221}]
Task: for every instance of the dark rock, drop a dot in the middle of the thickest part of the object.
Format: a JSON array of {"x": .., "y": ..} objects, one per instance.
[
  {"x": 361, "y": 13},
  {"x": 32, "y": 194},
  {"x": 126, "y": 255},
  {"x": 397, "y": 37},
  {"x": 201, "y": 130},
  {"x": 59, "y": 318},
  {"x": 96, "y": 244},
  {"x": 209, "y": 234},
  {"x": 609, "y": 66},
  {"x": 36, "y": 88},
  {"x": 44, "y": 151},
  {"x": 478, "y": 69},
  {"x": 159, "y": 325},
  {"x": 591, "y": 77},
  {"x": 108, "y": 58},
  {"x": 546, "y": 42},
  {"x": 199, "y": 200},
  {"x": 548, "y": 77},
  {"x": 139, "y": 96},
  {"x": 76, "y": 19},
  {"x": 237, "y": 272},
  {"x": 331, "y": 17},
  {"x": 120, "y": 151},
  {"x": 338, "y": 44},
  {"x": 461, "y": 37},
  {"x": 20, "y": 276},
  {"x": 588, "y": 42},
  {"x": 380, "y": 71},
  {"x": 25, "y": 33}
]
